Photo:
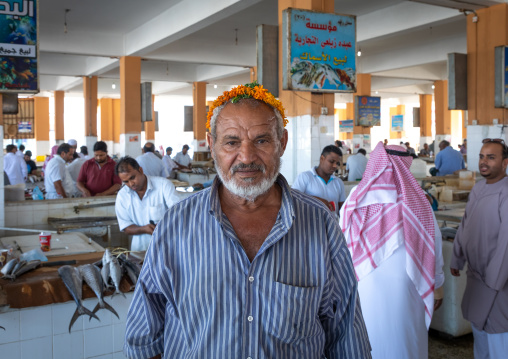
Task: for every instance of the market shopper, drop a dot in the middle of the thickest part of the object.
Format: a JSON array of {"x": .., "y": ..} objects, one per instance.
[
  {"x": 448, "y": 160},
  {"x": 482, "y": 242},
  {"x": 321, "y": 182},
  {"x": 152, "y": 165},
  {"x": 14, "y": 166},
  {"x": 247, "y": 267},
  {"x": 182, "y": 159},
  {"x": 395, "y": 243},
  {"x": 169, "y": 164},
  {"x": 97, "y": 175},
  {"x": 142, "y": 202},
  {"x": 57, "y": 178},
  {"x": 356, "y": 165}
]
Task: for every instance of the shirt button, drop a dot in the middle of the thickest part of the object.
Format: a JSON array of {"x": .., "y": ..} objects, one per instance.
[
  {"x": 250, "y": 318},
  {"x": 249, "y": 358},
  {"x": 251, "y": 279}
]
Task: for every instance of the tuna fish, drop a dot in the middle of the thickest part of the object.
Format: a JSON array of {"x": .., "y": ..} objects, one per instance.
[
  {"x": 92, "y": 277},
  {"x": 106, "y": 259},
  {"x": 74, "y": 283},
  {"x": 115, "y": 272},
  {"x": 9, "y": 266},
  {"x": 17, "y": 271}
]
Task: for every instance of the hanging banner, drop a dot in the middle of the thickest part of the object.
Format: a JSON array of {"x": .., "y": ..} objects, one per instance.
[
  {"x": 368, "y": 111},
  {"x": 397, "y": 123},
  {"x": 318, "y": 51},
  {"x": 346, "y": 126},
  {"x": 18, "y": 46}
]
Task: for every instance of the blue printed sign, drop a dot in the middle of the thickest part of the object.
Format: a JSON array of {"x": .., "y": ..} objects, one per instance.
[
  {"x": 368, "y": 111},
  {"x": 397, "y": 123},
  {"x": 319, "y": 51},
  {"x": 346, "y": 126},
  {"x": 18, "y": 46}
]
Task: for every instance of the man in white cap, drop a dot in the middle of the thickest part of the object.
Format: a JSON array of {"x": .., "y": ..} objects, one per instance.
[{"x": 74, "y": 144}]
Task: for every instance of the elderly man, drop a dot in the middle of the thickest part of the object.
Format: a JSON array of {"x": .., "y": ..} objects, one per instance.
[
  {"x": 97, "y": 175},
  {"x": 356, "y": 165},
  {"x": 321, "y": 182},
  {"x": 482, "y": 242},
  {"x": 14, "y": 166},
  {"x": 56, "y": 178},
  {"x": 169, "y": 164},
  {"x": 395, "y": 243},
  {"x": 247, "y": 268},
  {"x": 142, "y": 202},
  {"x": 151, "y": 164},
  {"x": 182, "y": 159},
  {"x": 448, "y": 160}
]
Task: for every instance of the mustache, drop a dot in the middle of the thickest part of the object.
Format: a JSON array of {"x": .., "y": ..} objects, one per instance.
[{"x": 243, "y": 166}]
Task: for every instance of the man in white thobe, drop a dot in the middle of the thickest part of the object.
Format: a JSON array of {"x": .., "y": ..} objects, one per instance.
[
  {"x": 15, "y": 166},
  {"x": 142, "y": 202},
  {"x": 169, "y": 164},
  {"x": 151, "y": 164},
  {"x": 56, "y": 176}
]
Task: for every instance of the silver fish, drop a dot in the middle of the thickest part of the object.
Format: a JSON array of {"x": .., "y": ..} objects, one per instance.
[
  {"x": 92, "y": 277},
  {"x": 115, "y": 272},
  {"x": 106, "y": 259},
  {"x": 17, "y": 266},
  {"x": 74, "y": 283},
  {"x": 16, "y": 272},
  {"x": 9, "y": 266}
]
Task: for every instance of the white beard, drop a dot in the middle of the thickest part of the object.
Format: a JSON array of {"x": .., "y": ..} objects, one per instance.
[{"x": 246, "y": 191}]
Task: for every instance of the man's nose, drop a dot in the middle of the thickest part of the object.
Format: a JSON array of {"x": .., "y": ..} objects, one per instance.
[{"x": 247, "y": 152}]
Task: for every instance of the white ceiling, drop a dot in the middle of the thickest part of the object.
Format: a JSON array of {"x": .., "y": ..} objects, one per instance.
[{"x": 404, "y": 43}]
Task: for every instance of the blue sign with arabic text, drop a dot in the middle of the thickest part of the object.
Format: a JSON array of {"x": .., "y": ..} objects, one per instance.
[
  {"x": 319, "y": 51},
  {"x": 18, "y": 46},
  {"x": 397, "y": 123},
  {"x": 368, "y": 111}
]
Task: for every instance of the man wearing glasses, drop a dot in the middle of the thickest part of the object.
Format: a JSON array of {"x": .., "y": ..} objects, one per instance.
[{"x": 482, "y": 242}]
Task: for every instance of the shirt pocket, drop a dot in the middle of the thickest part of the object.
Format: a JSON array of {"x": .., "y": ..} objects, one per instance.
[
  {"x": 156, "y": 212},
  {"x": 293, "y": 312}
]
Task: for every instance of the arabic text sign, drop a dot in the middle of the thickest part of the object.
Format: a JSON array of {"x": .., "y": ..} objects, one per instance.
[
  {"x": 18, "y": 46},
  {"x": 368, "y": 111},
  {"x": 397, "y": 123},
  {"x": 346, "y": 126},
  {"x": 319, "y": 51}
]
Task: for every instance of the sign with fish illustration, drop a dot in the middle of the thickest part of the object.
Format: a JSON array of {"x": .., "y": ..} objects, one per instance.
[
  {"x": 368, "y": 111},
  {"x": 18, "y": 46},
  {"x": 319, "y": 51}
]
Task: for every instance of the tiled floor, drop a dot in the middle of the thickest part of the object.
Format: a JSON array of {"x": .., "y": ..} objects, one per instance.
[{"x": 443, "y": 346}]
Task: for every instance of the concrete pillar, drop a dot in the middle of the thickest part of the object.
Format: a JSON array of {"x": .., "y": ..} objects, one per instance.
[
  {"x": 199, "y": 111},
  {"x": 150, "y": 125},
  {"x": 309, "y": 131},
  {"x": 41, "y": 126},
  {"x": 443, "y": 115},
  {"x": 253, "y": 74},
  {"x": 425, "y": 119},
  {"x": 107, "y": 121},
  {"x": 363, "y": 87},
  {"x": 59, "y": 117},
  {"x": 130, "y": 103},
  {"x": 90, "y": 94}
]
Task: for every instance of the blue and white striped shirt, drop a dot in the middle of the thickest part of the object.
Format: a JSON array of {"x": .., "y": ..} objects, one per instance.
[{"x": 199, "y": 296}]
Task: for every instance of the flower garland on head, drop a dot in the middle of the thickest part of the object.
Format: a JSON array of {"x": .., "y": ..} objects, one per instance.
[{"x": 252, "y": 90}]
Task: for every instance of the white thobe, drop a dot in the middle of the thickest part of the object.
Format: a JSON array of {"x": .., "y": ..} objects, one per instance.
[
  {"x": 55, "y": 171},
  {"x": 130, "y": 209},
  {"x": 183, "y": 160},
  {"x": 15, "y": 168},
  {"x": 152, "y": 165}
]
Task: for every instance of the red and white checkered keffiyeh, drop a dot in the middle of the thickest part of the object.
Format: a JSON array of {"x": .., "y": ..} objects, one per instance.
[{"x": 389, "y": 199}]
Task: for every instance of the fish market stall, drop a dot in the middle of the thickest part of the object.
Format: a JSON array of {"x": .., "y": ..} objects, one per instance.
[{"x": 41, "y": 321}]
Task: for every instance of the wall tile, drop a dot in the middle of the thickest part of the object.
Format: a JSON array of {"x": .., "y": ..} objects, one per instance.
[
  {"x": 36, "y": 322},
  {"x": 118, "y": 337},
  {"x": 98, "y": 341},
  {"x": 107, "y": 356},
  {"x": 25, "y": 218},
  {"x": 40, "y": 348},
  {"x": 68, "y": 346},
  {"x": 11, "y": 218},
  {"x": 40, "y": 217},
  {"x": 11, "y": 350},
  {"x": 119, "y": 355},
  {"x": 121, "y": 305},
  {"x": 10, "y": 321},
  {"x": 62, "y": 315},
  {"x": 104, "y": 315}
]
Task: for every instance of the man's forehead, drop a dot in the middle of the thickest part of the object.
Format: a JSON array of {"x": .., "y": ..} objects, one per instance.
[{"x": 492, "y": 148}]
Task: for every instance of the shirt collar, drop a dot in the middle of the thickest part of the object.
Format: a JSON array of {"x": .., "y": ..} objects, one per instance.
[
  {"x": 286, "y": 212},
  {"x": 149, "y": 187},
  {"x": 332, "y": 177}
]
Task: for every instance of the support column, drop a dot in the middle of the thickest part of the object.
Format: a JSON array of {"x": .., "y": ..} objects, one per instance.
[
  {"x": 443, "y": 115},
  {"x": 59, "y": 117},
  {"x": 253, "y": 74},
  {"x": 425, "y": 119},
  {"x": 150, "y": 126},
  {"x": 106, "y": 123},
  {"x": 309, "y": 131},
  {"x": 489, "y": 32},
  {"x": 90, "y": 94},
  {"x": 130, "y": 103},
  {"x": 41, "y": 126},
  {"x": 363, "y": 87},
  {"x": 199, "y": 111}
]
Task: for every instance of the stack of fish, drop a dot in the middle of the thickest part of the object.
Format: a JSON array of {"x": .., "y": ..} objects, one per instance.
[{"x": 14, "y": 268}]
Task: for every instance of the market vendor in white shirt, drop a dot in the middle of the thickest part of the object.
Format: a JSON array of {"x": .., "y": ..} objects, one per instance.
[
  {"x": 57, "y": 179},
  {"x": 356, "y": 165},
  {"x": 183, "y": 159},
  {"x": 321, "y": 182},
  {"x": 142, "y": 202}
]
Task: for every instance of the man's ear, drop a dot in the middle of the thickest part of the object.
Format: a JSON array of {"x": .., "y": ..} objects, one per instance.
[
  {"x": 283, "y": 142},
  {"x": 209, "y": 141}
]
